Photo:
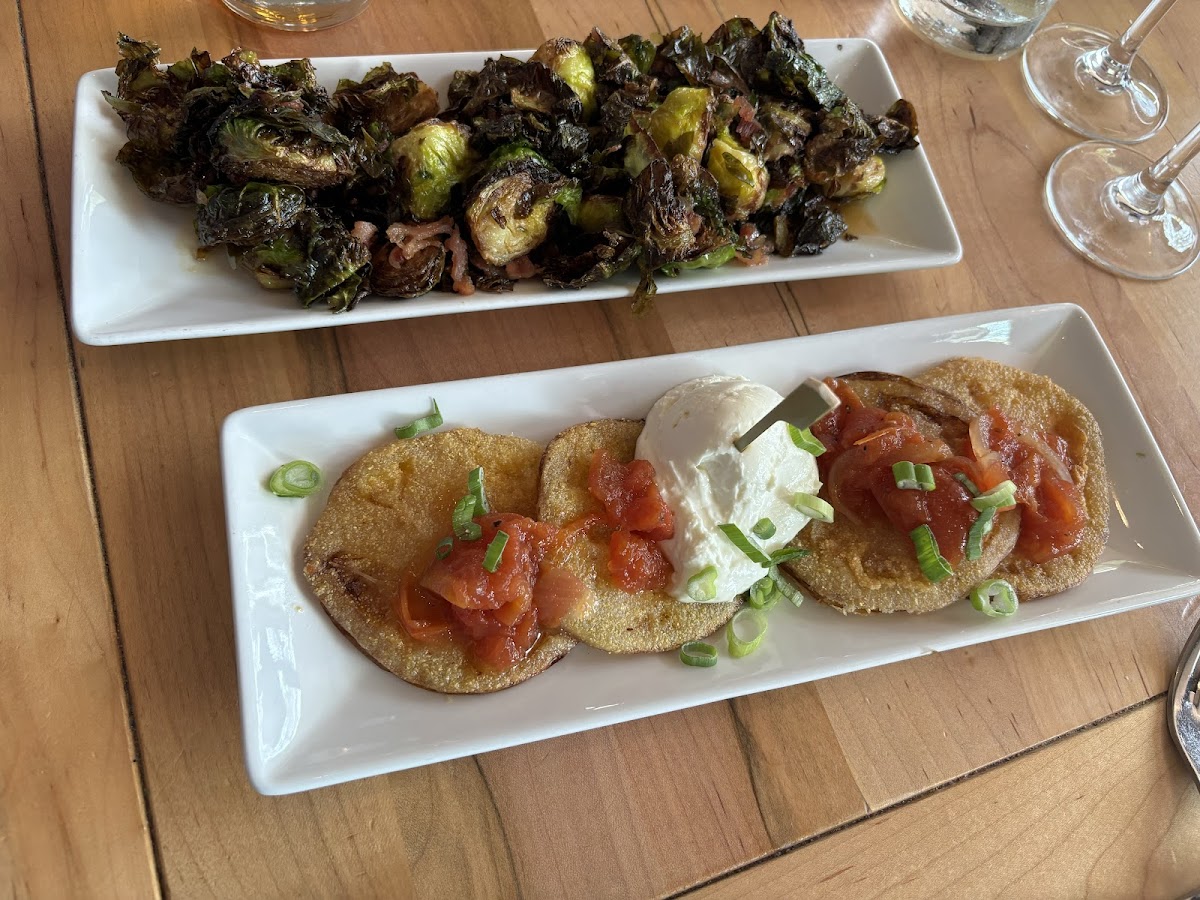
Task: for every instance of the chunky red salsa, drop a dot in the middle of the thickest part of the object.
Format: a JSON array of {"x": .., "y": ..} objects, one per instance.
[
  {"x": 640, "y": 518},
  {"x": 862, "y": 442}
]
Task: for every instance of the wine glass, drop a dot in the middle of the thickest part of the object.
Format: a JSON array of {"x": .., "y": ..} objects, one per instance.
[
  {"x": 1125, "y": 212},
  {"x": 1095, "y": 83}
]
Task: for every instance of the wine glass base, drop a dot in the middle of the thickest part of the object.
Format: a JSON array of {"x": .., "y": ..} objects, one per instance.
[
  {"x": 1058, "y": 81},
  {"x": 1082, "y": 201}
]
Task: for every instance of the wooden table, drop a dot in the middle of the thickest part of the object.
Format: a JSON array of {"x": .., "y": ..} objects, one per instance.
[{"x": 1034, "y": 766}]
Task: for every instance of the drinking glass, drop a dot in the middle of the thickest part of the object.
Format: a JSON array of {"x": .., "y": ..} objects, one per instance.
[
  {"x": 1095, "y": 83},
  {"x": 1125, "y": 212},
  {"x": 976, "y": 29},
  {"x": 298, "y": 15}
]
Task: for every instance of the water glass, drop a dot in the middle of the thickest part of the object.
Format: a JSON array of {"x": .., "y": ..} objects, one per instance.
[
  {"x": 976, "y": 29},
  {"x": 298, "y": 15}
]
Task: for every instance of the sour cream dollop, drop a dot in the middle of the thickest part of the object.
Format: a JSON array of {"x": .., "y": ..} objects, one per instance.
[{"x": 706, "y": 481}]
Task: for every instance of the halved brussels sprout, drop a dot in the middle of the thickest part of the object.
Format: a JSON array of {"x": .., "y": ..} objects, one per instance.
[
  {"x": 247, "y": 215},
  {"x": 741, "y": 176},
  {"x": 280, "y": 143},
  {"x": 868, "y": 178},
  {"x": 682, "y": 123},
  {"x": 787, "y": 126},
  {"x": 396, "y": 100},
  {"x": 600, "y": 212},
  {"x": 430, "y": 160},
  {"x": 392, "y": 276},
  {"x": 277, "y": 263},
  {"x": 570, "y": 61},
  {"x": 511, "y": 207}
]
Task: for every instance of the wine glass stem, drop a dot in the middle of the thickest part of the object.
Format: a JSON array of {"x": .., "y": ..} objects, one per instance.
[
  {"x": 1142, "y": 192},
  {"x": 1110, "y": 65}
]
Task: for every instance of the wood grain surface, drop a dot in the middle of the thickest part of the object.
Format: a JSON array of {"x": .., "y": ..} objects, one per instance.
[{"x": 635, "y": 809}]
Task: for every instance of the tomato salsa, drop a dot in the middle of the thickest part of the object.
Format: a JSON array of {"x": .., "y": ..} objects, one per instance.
[
  {"x": 863, "y": 442},
  {"x": 634, "y": 508}
]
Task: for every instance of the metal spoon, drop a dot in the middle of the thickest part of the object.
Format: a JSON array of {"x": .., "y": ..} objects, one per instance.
[
  {"x": 1183, "y": 714},
  {"x": 808, "y": 403}
]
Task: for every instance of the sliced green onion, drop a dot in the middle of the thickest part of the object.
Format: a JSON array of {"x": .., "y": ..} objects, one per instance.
[
  {"x": 752, "y": 619},
  {"x": 462, "y": 520},
  {"x": 785, "y": 586},
  {"x": 445, "y": 545},
  {"x": 475, "y": 487},
  {"x": 702, "y": 587},
  {"x": 743, "y": 543},
  {"x": 1003, "y": 494},
  {"x": 925, "y": 477},
  {"x": 421, "y": 425},
  {"x": 929, "y": 558},
  {"x": 698, "y": 653},
  {"x": 783, "y": 554},
  {"x": 763, "y": 593},
  {"x": 299, "y": 478},
  {"x": 803, "y": 438},
  {"x": 905, "y": 474},
  {"x": 812, "y": 506},
  {"x": 995, "y": 598},
  {"x": 979, "y": 530},
  {"x": 966, "y": 482},
  {"x": 495, "y": 550},
  {"x": 764, "y": 528}
]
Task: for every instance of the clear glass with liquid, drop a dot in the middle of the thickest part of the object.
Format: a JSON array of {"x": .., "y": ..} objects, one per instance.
[
  {"x": 976, "y": 29},
  {"x": 298, "y": 15}
]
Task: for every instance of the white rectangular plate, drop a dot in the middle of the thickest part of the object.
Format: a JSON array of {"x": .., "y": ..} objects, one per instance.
[
  {"x": 135, "y": 276},
  {"x": 316, "y": 711}
]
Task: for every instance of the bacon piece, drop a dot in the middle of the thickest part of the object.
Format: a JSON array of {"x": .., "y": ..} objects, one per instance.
[{"x": 459, "y": 278}]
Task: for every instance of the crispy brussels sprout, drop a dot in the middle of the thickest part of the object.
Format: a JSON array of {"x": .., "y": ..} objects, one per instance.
[
  {"x": 394, "y": 276},
  {"x": 277, "y": 263},
  {"x": 570, "y": 61},
  {"x": 682, "y": 123},
  {"x": 866, "y": 179},
  {"x": 317, "y": 257},
  {"x": 897, "y": 128},
  {"x": 510, "y": 209},
  {"x": 713, "y": 259},
  {"x": 682, "y": 56},
  {"x": 639, "y": 50},
  {"x": 843, "y": 142},
  {"x": 395, "y": 100},
  {"x": 609, "y": 253},
  {"x": 808, "y": 228},
  {"x": 598, "y": 213},
  {"x": 430, "y": 160},
  {"x": 251, "y": 214},
  {"x": 787, "y": 126},
  {"x": 610, "y": 64},
  {"x": 675, "y": 213},
  {"x": 741, "y": 177},
  {"x": 275, "y": 142}
]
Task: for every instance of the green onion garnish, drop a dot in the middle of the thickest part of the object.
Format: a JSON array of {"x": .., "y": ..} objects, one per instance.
[
  {"x": 702, "y": 587},
  {"x": 995, "y": 598},
  {"x": 698, "y": 653},
  {"x": 1003, "y": 494},
  {"x": 979, "y": 530},
  {"x": 764, "y": 528},
  {"x": 966, "y": 482},
  {"x": 475, "y": 488},
  {"x": 783, "y": 554},
  {"x": 462, "y": 520},
  {"x": 421, "y": 425},
  {"x": 911, "y": 477},
  {"x": 812, "y": 506},
  {"x": 752, "y": 619},
  {"x": 298, "y": 478},
  {"x": 743, "y": 543},
  {"x": 785, "y": 586},
  {"x": 803, "y": 438},
  {"x": 763, "y": 593},
  {"x": 929, "y": 558},
  {"x": 445, "y": 545},
  {"x": 495, "y": 550}
]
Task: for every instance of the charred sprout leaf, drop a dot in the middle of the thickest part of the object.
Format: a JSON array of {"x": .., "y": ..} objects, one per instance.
[
  {"x": 337, "y": 265},
  {"x": 788, "y": 71},
  {"x": 511, "y": 207},
  {"x": 395, "y": 100},
  {"x": 611, "y": 65},
  {"x": 394, "y": 276},
  {"x": 621, "y": 105},
  {"x": 737, "y": 42},
  {"x": 897, "y": 128},
  {"x": 430, "y": 160},
  {"x": 683, "y": 56},
  {"x": 713, "y": 259},
  {"x": 844, "y": 141},
  {"x": 159, "y": 177},
  {"x": 277, "y": 263},
  {"x": 866, "y": 179},
  {"x": 569, "y": 60},
  {"x": 741, "y": 177},
  {"x": 599, "y": 213},
  {"x": 269, "y": 141},
  {"x": 639, "y": 50},
  {"x": 251, "y": 214},
  {"x": 787, "y": 181},
  {"x": 808, "y": 228},
  {"x": 609, "y": 253},
  {"x": 297, "y": 79}
]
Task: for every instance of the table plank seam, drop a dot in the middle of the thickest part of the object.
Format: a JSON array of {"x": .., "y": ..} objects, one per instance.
[
  {"x": 89, "y": 471},
  {"x": 914, "y": 798}
]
